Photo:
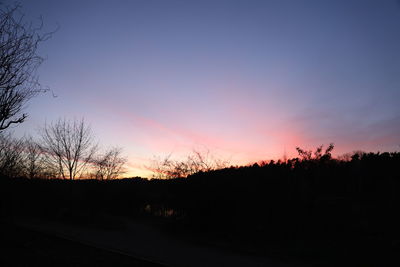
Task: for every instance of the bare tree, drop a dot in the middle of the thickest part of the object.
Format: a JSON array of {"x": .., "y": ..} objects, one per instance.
[
  {"x": 19, "y": 61},
  {"x": 69, "y": 146},
  {"x": 33, "y": 160},
  {"x": 10, "y": 156},
  {"x": 110, "y": 165},
  {"x": 196, "y": 161},
  {"x": 306, "y": 155}
]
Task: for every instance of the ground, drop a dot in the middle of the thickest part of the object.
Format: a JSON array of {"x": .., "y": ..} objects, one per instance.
[
  {"x": 25, "y": 247},
  {"x": 61, "y": 244}
]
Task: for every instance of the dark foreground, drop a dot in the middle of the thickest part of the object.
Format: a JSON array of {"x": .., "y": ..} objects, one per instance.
[
  {"x": 310, "y": 210},
  {"x": 25, "y": 247}
]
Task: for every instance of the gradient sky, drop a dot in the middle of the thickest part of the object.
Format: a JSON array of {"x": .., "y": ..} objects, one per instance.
[{"x": 247, "y": 80}]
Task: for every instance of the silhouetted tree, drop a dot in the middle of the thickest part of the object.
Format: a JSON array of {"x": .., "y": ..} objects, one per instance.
[
  {"x": 69, "y": 146},
  {"x": 11, "y": 161},
  {"x": 19, "y": 61},
  {"x": 110, "y": 165},
  {"x": 196, "y": 161},
  {"x": 307, "y": 155},
  {"x": 34, "y": 164}
]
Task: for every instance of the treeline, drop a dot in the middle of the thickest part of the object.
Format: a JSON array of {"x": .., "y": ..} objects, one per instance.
[
  {"x": 64, "y": 149},
  {"x": 198, "y": 160},
  {"x": 307, "y": 205}
]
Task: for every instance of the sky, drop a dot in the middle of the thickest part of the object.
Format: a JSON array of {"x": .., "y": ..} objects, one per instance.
[{"x": 246, "y": 80}]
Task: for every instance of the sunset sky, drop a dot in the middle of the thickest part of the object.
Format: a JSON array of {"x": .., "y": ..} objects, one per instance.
[{"x": 247, "y": 80}]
